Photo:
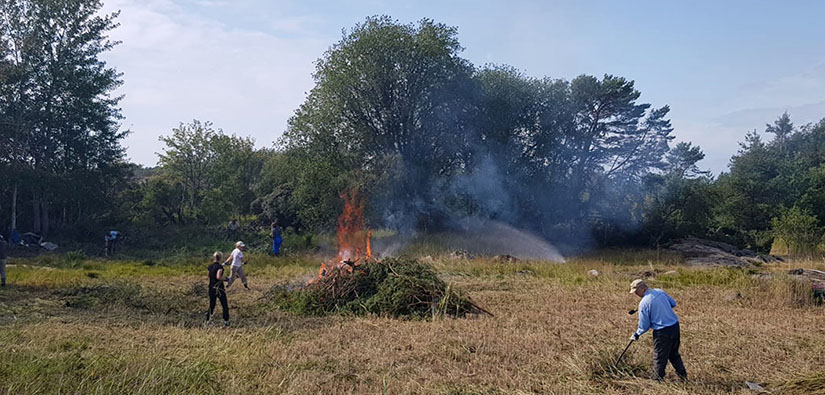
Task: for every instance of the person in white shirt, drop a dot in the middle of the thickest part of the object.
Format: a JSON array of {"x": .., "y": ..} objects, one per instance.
[{"x": 238, "y": 260}]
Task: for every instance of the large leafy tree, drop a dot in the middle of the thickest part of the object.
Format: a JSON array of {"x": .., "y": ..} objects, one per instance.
[
  {"x": 398, "y": 112},
  {"x": 391, "y": 102},
  {"x": 57, "y": 108},
  {"x": 215, "y": 172},
  {"x": 679, "y": 202},
  {"x": 570, "y": 150}
]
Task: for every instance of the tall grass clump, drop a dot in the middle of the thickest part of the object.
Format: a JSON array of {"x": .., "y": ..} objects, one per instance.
[
  {"x": 395, "y": 287},
  {"x": 784, "y": 290}
]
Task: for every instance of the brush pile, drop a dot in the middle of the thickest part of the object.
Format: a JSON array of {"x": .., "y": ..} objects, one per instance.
[{"x": 394, "y": 287}]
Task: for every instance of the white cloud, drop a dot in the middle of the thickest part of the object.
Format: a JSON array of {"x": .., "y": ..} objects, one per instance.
[{"x": 179, "y": 66}]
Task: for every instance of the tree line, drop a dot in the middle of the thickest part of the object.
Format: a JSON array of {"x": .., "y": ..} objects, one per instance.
[{"x": 396, "y": 113}]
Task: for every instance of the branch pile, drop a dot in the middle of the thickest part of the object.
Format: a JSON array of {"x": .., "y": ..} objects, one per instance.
[{"x": 394, "y": 287}]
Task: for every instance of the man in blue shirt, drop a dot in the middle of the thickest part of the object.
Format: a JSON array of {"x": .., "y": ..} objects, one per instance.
[{"x": 656, "y": 311}]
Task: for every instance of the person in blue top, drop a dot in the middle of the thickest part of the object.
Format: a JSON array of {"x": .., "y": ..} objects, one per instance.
[
  {"x": 277, "y": 239},
  {"x": 111, "y": 238},
  {"x": 656, "y": 312}
]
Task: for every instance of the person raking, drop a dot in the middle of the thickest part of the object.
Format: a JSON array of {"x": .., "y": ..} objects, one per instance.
[
  {"x": 656, "y": 311},
  {"x": 216, "y": 289}
]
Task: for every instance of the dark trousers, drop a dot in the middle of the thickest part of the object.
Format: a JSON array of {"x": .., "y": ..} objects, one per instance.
[
  {"x": 666, "y": 348},
  {"x": 218, "y": 293}
]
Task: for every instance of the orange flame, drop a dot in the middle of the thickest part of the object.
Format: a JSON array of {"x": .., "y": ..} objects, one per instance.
[
  {"x": 351, "y": 236},
  {"x": 369, "y": 249},
  {"x": 351, "y": 227}
]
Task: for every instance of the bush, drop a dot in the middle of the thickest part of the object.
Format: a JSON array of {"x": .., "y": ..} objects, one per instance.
[
  {"x": 394, "y": 287},
  {"x": 799, "y": 229},
  {"x": 75, "y": 256}
]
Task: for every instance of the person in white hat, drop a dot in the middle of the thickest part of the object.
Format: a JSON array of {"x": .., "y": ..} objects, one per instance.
[
  {"x": 656, "y": 311},
  {"x": 238, "y": 261}
]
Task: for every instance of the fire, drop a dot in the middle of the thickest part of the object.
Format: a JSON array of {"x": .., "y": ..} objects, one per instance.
[{"x": 353, "y": 241}]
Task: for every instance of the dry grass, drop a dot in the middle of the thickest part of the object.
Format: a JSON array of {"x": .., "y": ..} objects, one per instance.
[{"x": 555, "y": 330}]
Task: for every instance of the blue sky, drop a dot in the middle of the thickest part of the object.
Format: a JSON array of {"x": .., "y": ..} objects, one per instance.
[{"x": 724, "y": 67}]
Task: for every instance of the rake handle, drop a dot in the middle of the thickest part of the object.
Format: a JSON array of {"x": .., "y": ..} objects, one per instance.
[{"x": 622, "y": 354}]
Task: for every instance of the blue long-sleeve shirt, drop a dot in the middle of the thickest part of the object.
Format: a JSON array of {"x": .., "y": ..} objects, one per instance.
[{"x": 656, "y": 311}]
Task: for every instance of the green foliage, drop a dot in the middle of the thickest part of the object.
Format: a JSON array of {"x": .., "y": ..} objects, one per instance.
[
  {"x": 207, "y": 175},
  {"x": 799, "y": 229},
  {"x": 396, "y": 112},
  {"x": 74, "y": 256},
  {"x": 60, "y": 134},
  {"x": 678, "y": 207},
  {"x": 767, "y": 177},
  {"x": 394, "y": 287}
]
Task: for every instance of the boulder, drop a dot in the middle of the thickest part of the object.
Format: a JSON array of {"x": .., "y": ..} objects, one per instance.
[{"x": 702, "y": 252}]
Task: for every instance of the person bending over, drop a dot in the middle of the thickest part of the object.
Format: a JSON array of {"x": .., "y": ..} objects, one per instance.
[{"x": 656, "y": 311}]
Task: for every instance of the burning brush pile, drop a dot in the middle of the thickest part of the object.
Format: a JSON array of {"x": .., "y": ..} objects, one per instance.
[{"x": 355, "y": 282}]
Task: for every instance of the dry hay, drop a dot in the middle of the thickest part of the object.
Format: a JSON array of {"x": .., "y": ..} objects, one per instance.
[
  {"x": 809, "y": 384},
  {"x": 603, "y": 365}
]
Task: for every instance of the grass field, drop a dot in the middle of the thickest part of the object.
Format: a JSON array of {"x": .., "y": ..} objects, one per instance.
[{"x": 70, "y": 324}]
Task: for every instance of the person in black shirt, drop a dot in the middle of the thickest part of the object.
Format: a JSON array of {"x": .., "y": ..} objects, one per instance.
[
  {"x": 3, "y": 261},
  {"x": 216, "y": 289}
]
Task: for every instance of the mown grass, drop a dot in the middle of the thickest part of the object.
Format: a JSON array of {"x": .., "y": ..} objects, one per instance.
[{"x": 136, "y": 327}]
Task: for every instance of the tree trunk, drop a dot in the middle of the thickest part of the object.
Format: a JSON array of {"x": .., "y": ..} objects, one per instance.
[
  {"x": 44, "y": 219},
  {"x": 14, "y": 208},
  {"x": 36, "y": 214}
]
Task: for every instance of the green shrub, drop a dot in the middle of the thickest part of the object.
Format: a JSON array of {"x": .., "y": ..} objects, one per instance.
[
  {"x": 75, "y": 256},
  {"x": 799, "y": 230}
]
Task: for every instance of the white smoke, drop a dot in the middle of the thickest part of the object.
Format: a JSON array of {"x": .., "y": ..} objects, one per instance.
[{"x": 486, "y": 237}]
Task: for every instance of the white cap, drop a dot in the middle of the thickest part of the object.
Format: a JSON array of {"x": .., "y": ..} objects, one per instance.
[{"x": 638, "y": 283}]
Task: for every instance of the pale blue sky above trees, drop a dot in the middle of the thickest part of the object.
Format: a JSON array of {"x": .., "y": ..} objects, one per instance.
[{"x": 724, "y": 67}]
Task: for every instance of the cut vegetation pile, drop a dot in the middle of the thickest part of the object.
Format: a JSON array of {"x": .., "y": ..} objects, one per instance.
[
  {"x": 395, "y": 287},
  {"x": 813, "y": 383}
]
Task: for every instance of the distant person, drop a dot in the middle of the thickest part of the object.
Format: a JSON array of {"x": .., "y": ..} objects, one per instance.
[
  {"x": 277, "y": 239},
  {"x": 233, "y": 227},
  {"x": 238, "y": 261},
  {"x": 216, "y": 289},
  {"x": 3, "y": 246},
  {"x": 656, "y": 311},
  {"x": 111, "y": 239},
  {"x": 14, "y": 237}
]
